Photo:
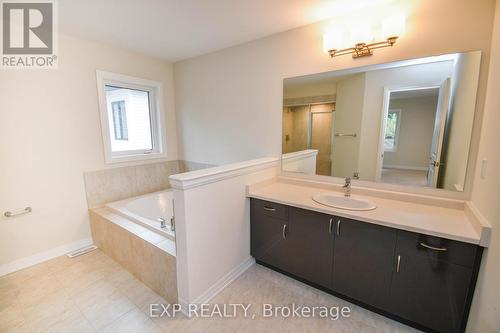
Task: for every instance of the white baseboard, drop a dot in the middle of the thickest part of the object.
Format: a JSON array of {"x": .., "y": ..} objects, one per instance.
[
  {"x": 25, "y": 262},
  {"x": 219, "y": 285},
  {"x": 405, "y": 167}
]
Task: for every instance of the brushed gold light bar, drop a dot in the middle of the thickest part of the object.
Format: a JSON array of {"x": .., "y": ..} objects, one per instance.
[{"x": 363, "y": 49}]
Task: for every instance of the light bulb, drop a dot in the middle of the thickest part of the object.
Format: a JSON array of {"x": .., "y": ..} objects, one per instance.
[
  {"x": 361, "y": 33},
  {"x": 334, "y": 40},
  {"x": 394, "y": 26}
]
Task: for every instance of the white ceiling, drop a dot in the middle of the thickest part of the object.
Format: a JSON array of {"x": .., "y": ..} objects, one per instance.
[{"x": 180, "y": 29}]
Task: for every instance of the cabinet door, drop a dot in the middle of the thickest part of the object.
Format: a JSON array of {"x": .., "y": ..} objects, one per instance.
[
  {"x": 428, "y": 286},
  {"x": 268, "y": 224},
  {"x": 363, "y": 261},
  {"x": 310, "y": 245}
]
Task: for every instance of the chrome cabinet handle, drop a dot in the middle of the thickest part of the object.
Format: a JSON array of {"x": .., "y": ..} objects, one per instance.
[
  {"x": 12, "y": 214},
  {"x": 283, "y": 231},
  {"x": 269, "y": 209},
  {"x": 338, "y": 227},
  {"x": 398, "y": 264},
  {"x": 172, "y": 224},
  {"x": 441, "y": 249},
  {"x": 330, "y": 227}
]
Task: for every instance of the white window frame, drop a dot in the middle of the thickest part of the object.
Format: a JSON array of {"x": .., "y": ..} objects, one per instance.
[
  {"x": 396, "y": 135},
  {"x": 155, "y": 90}
]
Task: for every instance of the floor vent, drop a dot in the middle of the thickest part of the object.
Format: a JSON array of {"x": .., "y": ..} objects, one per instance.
[{"x": 81, "y": 251}]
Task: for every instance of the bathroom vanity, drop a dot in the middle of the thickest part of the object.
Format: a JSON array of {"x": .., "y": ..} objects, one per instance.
[{"x": 413, "y": 262}]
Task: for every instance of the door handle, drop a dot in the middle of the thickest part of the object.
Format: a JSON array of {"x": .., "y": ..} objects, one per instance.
[
  {"x": 436, "y": 164},
  {"x": 338, "y": 227},
  {"x": 269, "y": 209},
  {"x": 398, "y": 264},
  {"x": 283, "y": 231},
  {"x": 441, "y": 249},
  {"x": 330, "y": 227}
]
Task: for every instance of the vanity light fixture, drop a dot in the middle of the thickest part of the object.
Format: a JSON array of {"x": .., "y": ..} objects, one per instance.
[
  {"x": 363, "y": 49},
  {"x": 362, "y": 38}
]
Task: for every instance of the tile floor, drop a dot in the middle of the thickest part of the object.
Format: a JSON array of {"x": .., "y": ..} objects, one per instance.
[
  {"x": 404, "y": 177},
  {"x": 92, "y": 293}
]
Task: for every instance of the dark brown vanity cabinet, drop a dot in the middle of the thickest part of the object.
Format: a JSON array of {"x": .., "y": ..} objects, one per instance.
[
  {"x": 363, "y": 261},
  {"x": 268, "y": 234},
  {"x": 421, "y": 280},
  {"x": 433, "y": 281},
  {"x": 294, "y": 240},
  {"x": 310, "y": 240}
]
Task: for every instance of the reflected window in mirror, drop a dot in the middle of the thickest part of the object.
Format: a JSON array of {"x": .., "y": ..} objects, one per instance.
[{"x": 392, "y": 131}]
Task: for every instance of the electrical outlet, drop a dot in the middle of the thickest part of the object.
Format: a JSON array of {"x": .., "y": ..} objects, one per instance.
[{"x": 484, "y": 166}]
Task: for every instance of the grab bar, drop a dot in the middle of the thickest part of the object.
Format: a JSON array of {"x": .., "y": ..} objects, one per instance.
[
  {"x": 353, "y": 135},
  {"x": 26, "y": 210}
]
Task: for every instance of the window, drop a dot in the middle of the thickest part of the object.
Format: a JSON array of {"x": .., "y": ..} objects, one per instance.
[
  {"x": 130, "y": 117},
  {"x": 392, "y": 130}
]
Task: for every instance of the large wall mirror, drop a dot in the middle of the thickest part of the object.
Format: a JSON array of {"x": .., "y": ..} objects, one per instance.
[{"x": 406, "y": 123}]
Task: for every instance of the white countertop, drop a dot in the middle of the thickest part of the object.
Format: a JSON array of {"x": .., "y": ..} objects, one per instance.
[{"x": 447, "y": 221}]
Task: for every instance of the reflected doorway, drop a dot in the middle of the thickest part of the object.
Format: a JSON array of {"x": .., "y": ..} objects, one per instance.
[{"x": 413, "y": 136}]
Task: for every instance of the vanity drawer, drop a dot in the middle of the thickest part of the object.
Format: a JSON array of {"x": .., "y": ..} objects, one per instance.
[
  {"x": 270, "y": 209},
  {"x": 431, "y": 247}
]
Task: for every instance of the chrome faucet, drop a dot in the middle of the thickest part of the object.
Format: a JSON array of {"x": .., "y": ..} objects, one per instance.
[{"x": 347, "y": 187}]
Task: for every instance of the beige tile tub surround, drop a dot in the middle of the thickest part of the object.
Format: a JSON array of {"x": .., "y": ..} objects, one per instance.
[
  {"x": 147, "y": 255},
  {"x": 114, "y": 184},
  {"x": 108, "y": 185}
]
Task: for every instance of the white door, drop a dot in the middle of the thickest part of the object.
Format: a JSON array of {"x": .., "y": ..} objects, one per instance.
[{"x": 438, "y": 136}]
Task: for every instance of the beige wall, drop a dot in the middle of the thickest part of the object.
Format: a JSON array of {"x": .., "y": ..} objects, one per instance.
[
  {"x": 464, "y": 98},
  {"x": 485, "y": 314},
  {"x": 50, "y": 134},
  {"x": 310, "y": 89},
  {"x": 347, "y": 120},
  {"x": 229, "y": 102},
  {"x": 418, "y": 115}
]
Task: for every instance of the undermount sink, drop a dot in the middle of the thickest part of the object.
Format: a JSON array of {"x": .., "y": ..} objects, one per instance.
[{"x": 339, "y": 201}]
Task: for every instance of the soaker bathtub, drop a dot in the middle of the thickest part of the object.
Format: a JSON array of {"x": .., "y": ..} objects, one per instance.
[{"x": 148, "y": 210}]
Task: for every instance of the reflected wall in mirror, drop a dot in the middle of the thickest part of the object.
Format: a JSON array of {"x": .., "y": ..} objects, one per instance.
[{"x": 407, "y": 123}]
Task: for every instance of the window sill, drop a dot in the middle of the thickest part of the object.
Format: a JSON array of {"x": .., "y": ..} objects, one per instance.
[{"x": 129, "y": 158}]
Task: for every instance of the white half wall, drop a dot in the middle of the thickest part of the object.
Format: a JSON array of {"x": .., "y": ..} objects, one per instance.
[
  {"x": 50, "y": 135},
  {"x": 303, "y": 161},
  {"x": 212, "y": 215}
]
